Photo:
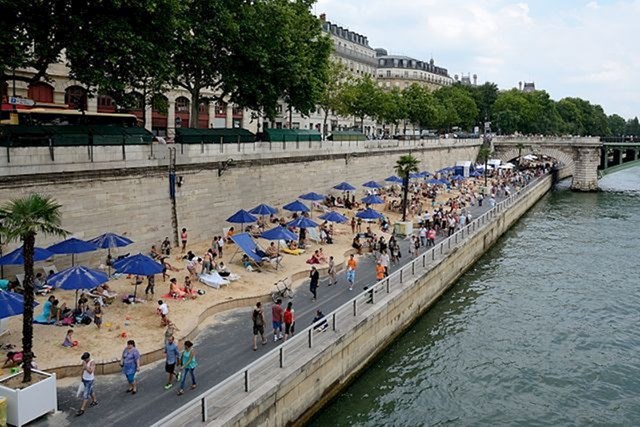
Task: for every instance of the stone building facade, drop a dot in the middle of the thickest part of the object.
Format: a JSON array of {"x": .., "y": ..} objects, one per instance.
[{"x": 395, "y": 71}]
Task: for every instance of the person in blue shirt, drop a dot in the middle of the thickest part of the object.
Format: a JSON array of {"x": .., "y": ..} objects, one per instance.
[
  {"x": 131, "y": 365},
  {"x": 172, "y": 355}
]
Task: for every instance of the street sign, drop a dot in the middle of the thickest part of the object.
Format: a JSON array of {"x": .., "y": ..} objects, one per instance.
[{"x": 21, "y": 101}]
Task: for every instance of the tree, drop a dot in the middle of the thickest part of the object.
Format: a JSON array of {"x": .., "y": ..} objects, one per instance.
[
  {"x": 331, "y": 99},
  {"x": 22, "y": 220},
  {"x": 459, "y": 107},
  {"x": 512, "y": 112},
  {"x": 361, "y": 99},
  {"x": 405, "y": 165},
  {"x": 483, "y": 156},
  {"x": 633, "y": 127},
  {"x": 422, "y": 108},
  {"x": 393, "y": 108},
  {"x": 616, "y": 124},
  {"x": 544, "y": 117}
]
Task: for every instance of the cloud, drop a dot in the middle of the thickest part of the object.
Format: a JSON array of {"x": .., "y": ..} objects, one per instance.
[{"x": 569, "y": 48}]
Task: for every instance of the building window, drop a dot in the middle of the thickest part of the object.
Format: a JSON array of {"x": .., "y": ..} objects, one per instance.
[
  {"x": 182, "y": 105},
  {"x": 389, "y": 73},
  {"x": 106, "y": 104},
  {"x": 76, "y": 97},
  {"x": 40, "y": 92},
  {"x": 221, "y": 109}
]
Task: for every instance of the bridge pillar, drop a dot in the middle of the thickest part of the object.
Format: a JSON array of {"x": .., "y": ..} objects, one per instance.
[
  {"x": 586, "y": 161},
  {"x": 617, "y": 156}
]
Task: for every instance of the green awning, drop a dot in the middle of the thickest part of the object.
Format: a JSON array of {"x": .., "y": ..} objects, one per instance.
[
  {"x": 347, "y": 135},
  {"x": 35, "y": 136},
  {"x": 286, "y": 135}
]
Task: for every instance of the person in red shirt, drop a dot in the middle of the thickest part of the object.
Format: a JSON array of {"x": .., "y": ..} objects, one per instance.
[
  {"x": 289, "y": 321},
  {"x": 276, "y": 320}
]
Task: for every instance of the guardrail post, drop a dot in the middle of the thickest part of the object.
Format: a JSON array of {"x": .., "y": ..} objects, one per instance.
[
  {"x": 282, "y": 356},
  {"x": 310, "y": 337},
  {"x": 424, "y": 259},
  {"x": 441, "y": 248},
  {"x": 388, "y": 286},
  {"x": 205, "y": 411},
  {"x": 401, "y": 271},
  {"x": 456, "y": 238},
  {"x": 355, "y": 307},
  {"x": 449, "y": 239},
  {"x": 433, "y": 254},
  {"x": 413, "y": 268},
  {"x": 333, "y": 321},
  {"x": 373, "y": 294},
  {"x": 246, "y": 380}
]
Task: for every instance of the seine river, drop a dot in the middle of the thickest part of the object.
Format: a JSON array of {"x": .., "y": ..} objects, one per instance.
[{"x": 543, "y": 330}]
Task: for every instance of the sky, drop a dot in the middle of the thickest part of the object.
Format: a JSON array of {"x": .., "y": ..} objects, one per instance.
[{"x": 588, "y": 49}]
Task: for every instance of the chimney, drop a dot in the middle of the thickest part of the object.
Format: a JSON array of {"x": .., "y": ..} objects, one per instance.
[
  {"x": 519, "y": 85},
  {"x": 475, "y": 80},
  {"x": 323, "y": 17}
]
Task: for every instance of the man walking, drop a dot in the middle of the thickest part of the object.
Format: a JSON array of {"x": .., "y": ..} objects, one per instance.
[
  {"x": 276, "y": 320},
  {"x": 258, "y": 325},
  {"x": 172, "y": 355},
  {"x": 88, "y": 378},
  {"x": 314, "y": 277},
  {"x": 352, "y": 264},
  {"x": 333, "y": 280},
  {"x": 384, "y": 262}
]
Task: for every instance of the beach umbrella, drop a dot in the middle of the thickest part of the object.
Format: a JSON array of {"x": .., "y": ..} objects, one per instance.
[
  {"x": 15, "y": 257},
  {"x": 334, "y": 217},
  {"x": 444, "y": 170},
  {"x": 345, "y": 186},
  {"x": 11, "y": 304},
  {"x": 110, "y": 240},
  {"x": 426, "y": 174},
  {"x": 140, "y": 265},
  {"x": 279, "y": 233},
  {"x": 242, "y": 217},
  {"x": 415, "y": 175},
  {"x": 475, "y": 174},
  {"x": 434, "y": 181},
  {"x": 72, "y": 246},
  {"x": 263, "y": 210},
  {"x": 76, "y": 278},
  {"x": 369, "y": 214},
  {"x": 372, "y": 200},
  {"x": 458, "y": 178},
  {"x": 302, "y": 222},
  {"x": 394, "y": 178},
  {"x": 314, "y": 197},
  {"x": 296, "y": 206},
  {"x": 371, "y": 184}
]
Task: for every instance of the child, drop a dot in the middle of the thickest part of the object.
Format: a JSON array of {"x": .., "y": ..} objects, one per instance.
[
  {"x": 163, "y": 310},
  {"x": 68, "y": 339},
  {"x": 97, "y": 314}
]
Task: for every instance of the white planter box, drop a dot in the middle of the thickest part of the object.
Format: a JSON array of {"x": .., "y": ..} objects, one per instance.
[
  {"x": 29, "y": 403},
  {"x": 403, "y": 229}
]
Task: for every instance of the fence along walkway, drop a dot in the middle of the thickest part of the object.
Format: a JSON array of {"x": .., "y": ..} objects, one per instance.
[{"x": 295, "y": 351}]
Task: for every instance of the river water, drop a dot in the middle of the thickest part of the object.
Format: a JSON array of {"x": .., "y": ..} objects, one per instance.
[{"x": 543, "y": 330}]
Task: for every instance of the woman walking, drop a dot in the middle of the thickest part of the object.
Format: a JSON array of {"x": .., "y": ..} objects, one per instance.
[
  {"x": 333, "y": 279},
  {"x": 131, "y": 365},
  {"x": 88, "y": 378},
  {"x": 189, "y": 363}
]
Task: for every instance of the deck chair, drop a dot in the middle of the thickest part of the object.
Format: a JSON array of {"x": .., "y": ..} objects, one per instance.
[
  {"x": 256, "y": 254},
  {"x": 313, "y": 234},
  {"x": 20, "y": 278}
]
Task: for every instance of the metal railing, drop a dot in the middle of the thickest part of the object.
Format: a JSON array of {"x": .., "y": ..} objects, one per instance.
[{"x": 259, "y": 372}]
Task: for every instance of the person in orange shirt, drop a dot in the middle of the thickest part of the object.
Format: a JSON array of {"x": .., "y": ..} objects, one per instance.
[
  {"x": 380, "y": 271},
  {"x": 352, "y": 264}
]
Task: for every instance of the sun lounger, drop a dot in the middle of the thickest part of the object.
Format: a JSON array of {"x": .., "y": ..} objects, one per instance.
[
  {"x": 313, "y": 234},
  {"x": 213, "y": 279}
]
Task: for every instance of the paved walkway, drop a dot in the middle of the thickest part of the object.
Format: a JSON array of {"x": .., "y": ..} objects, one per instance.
[{"x": 222, "y": 349}]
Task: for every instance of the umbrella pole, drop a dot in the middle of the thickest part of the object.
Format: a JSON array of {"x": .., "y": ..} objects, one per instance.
[
  {"x": 76, "y": 299},
  {"x": 278, "y": 257},
  {"x": 110, "y": 260},
  {"x": 73, "y": 262},
  {"x": 135, "y": 292}
]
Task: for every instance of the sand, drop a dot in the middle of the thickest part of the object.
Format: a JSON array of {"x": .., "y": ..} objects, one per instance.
[{"x": 141, "y": 322}]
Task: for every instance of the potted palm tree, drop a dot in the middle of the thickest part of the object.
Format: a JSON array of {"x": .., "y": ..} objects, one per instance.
[
  {"x": 23, "y": 219},
  {"x": 405, "y": 165},
  {"x": 483, "y": 156}
]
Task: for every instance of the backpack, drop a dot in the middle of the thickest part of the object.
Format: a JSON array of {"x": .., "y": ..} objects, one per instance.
[{"x": 257, "y": 318}]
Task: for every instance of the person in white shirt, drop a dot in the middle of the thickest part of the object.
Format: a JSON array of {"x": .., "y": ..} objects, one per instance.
[{"x": 163, "y": 311}]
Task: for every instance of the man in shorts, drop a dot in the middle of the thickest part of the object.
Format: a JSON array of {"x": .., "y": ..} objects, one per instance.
[
  {"x": 352, "y": 264},
  {"x": 257, "y": 317},
  {"x": 276, "y": 320},
  {"x": 172, "y": 357}
]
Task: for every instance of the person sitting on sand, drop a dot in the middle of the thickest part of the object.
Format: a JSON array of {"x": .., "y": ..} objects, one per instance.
[
  {"x": 174, "y": 289},
  {"x": 14, "y": 358},
  {"x": 40, "y": 284},
  {"x": 313, "y": 259},
  {"x": 230, "y": 234},
  {"x": 45, "y": 317},
  {"x": 321, "y": 257},
  {"x": 68, "y": 339},
  {"x": 188, "y": 288},
  {"x": 222, "y": 270},
  {"x": 357, "y": 245}
]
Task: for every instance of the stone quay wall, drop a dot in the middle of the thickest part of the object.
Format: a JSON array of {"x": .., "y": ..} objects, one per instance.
[
  {"x": 288, "y": 385},
  {"x": 103, "y": 190}
]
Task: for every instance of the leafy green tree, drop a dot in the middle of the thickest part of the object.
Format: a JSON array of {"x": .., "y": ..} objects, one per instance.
[
  {"x": 331, "y": 99},
  {"x": 422, "y": 108},
  {"x": 544, "y": 118},
  {"x": 405, "y": 165},
  {"x": 633, "y": 127},
  {"x": 485, "y": 96},
  {"x": 361, "y": 99},
  {"x": 512, "y": 112},
  {"x": 459, "y": 107},
  {"x": 617, "y": 125},
  {"x": 572, "y": 117},
  {"x": 393, "y": 108},
  {"x": 22, "y": 220}
]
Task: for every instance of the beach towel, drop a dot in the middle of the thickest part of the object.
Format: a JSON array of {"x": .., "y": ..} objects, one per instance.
[{"x": 213, "y": 280}]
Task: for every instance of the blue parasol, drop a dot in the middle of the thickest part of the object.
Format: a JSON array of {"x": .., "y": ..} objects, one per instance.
[
  {"x": 458, "y": 178},
  {"x": 312, "y": 197},
  {"x": 345, "y": 186},
  {"x": 394, "y": 178},
  {"x": 110, "y": 240},
  {"x": 138, "y": 264},
  {"x": 371, "y": 184},
  {"x": 372, "y": 200},
  {"x": 434, "y": 181},
  {"x": 415, "y": 175},
  {"x": 279, "y": 233},
  {"x": 241, "y": 217},
  {"x": 77, "y": 277},
  {"x": 72, "y": 246},
  {"x": 369, "y": 214},
  {"x": 11, "y": 304},
  {"x": 334, "y": 217},
  {"x": 296, "y": 206},
  {"x": 263, "y": 210},
  {"x": 426, "y": 174},
  {"x": 15, "y": 257},
  {"x": 302, "y": 222}
]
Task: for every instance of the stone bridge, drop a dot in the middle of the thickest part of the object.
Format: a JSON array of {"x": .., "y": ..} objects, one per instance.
[{"x": 579, "y": 156}]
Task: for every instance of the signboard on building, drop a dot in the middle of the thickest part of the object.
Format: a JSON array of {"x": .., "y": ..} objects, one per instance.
[{"x": 14, "y": 100}]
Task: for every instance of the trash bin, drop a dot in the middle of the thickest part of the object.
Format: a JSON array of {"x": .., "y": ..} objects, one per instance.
[{"x": 3, "y": 411}]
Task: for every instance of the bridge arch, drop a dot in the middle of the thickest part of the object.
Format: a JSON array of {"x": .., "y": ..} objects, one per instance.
[{"x": 509, "y": 154}]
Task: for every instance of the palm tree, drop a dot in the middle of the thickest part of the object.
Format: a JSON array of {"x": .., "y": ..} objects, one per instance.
[
  {"x": 404, "y": 166},
  {"x": 22, "y": 219},
  {"x": 483, "y": 155}
]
